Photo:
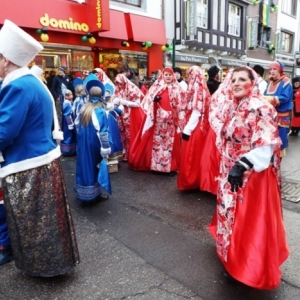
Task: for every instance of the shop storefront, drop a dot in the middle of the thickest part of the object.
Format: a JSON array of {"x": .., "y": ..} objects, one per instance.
[{"x": 89, "y": 35}]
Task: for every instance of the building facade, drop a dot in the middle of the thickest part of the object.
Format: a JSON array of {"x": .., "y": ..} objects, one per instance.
[{"x": 85, "y": 34}]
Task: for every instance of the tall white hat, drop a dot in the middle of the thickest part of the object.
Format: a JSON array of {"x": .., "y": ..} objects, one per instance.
[
  {"x": 18, "y": 46},
  {"x": 36, "y": 70}
]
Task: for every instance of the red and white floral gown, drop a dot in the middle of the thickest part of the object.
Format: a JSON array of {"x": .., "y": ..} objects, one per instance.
[
  {"x": 131, "y": 120},
  {"x": 248, "y": 224},
  {"x": 157, "y": 146}
]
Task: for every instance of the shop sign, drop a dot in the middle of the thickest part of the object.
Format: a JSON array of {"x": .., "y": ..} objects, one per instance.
[
  {"x": 232, "y": 62},
  {"x": 46, "y": 21},
  {"x": 192, "y": 59}
]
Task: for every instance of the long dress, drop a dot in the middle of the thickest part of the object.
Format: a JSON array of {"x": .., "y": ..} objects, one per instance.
[
  {"x": 295, "y": 126},
  {"x": 87, "y": 186},
  {"x": 197, "y": 98},
  {"x": 248, "y": 224},
  {"x": 157, "y": 145}
]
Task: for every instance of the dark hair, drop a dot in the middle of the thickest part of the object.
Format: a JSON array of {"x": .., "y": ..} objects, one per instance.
[{"x": 241, "y": 68}]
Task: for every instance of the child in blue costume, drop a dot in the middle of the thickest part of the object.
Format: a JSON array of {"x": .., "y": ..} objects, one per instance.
[
  {"x": 92, "y": 146},
  {"x": 68, "y": 144},
  {"x": 113, "y": 113}
]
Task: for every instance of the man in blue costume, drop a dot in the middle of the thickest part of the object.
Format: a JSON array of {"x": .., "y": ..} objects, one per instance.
[{"x": 279, "y": 93}]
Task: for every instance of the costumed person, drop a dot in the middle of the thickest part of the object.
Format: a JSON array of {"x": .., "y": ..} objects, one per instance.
[
  {"x": 113, "y": 114},
  {"x": 5, "y": 248},
  {"x": 279, "y": 93},
  {"x": 262, "y": 84},
  {"x": 180, "y": 79},
  {"x": 38, "y": 214},
  {"x": 198, "y": 99},
  {"x": 92, "y": 147},
  {"x": 157, "y": 145},
  {"x": 68, "y": 144},
  {"x": 80, "y": 99},
  {"x": 248, "y": 223},
  {"x": 130, "y": 96},
  {"x": 295, "y": 127},
  {"x": 103, "y": 78},
  {"x": 213, "y": 81}
]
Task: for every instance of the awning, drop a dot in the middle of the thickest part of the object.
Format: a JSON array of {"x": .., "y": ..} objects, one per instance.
[
  {"x": 143, "y": 29},
  {"x": 118, "y": 28}
]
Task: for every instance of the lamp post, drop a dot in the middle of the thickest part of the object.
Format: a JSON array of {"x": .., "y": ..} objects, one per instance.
[{"x": 173, "y": 52}]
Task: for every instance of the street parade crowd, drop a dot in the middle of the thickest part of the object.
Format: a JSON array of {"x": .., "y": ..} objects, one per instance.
[{"x": 227, "y": 138}]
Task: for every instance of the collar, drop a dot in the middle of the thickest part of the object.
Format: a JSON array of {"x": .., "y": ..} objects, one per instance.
[{"x": 15, "y": 75}]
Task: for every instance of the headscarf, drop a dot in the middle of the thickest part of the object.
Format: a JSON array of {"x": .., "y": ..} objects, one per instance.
[
  {"x": 176, "y": 95},
  {"x": 127, "y": 90},
  {"x": 104, "y": 78},
  {"x": 197, "y": 94}
]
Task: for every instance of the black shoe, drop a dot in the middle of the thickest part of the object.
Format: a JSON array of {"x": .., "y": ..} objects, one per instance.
[
  {"x": 102, "y": 198},
  {"x": 5, "y": 255},
  {"x": 293, "y": 133},
  {"x": 229, "y": 277}
]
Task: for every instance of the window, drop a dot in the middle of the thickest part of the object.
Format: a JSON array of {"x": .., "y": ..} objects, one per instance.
[
  {"x": 130, "y": 2},
  {"x": 286, "y": 42},
  {"x": 289, "y": 7},
  {"x": 202, "y": 13},
  {"x": 234, "y": 20},
  {"x": 264, "y": 36}
]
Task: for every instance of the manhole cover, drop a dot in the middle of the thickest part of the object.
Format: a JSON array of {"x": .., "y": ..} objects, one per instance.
[{"x": 290, "y": 191}]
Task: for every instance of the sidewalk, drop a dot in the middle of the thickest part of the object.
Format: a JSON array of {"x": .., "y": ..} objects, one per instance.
[{"x": 290, "y": 172}]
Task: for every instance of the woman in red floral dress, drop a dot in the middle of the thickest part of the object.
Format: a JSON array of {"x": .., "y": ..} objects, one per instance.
[
  {"x": 248, "y": 225},
  {"x": 295, "y": 126},
  {"x": 157, "y": 146},
  {"x": 198, "y": 98},
  {"x": 130, "y": 96}
]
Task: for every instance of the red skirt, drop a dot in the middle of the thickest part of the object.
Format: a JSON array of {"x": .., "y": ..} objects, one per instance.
[
  {"x": 209, "y": 163},
  {"x": 258, "y": 243}
]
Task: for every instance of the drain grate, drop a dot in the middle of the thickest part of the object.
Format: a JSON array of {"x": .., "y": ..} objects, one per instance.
[{"x": 290, "y": 191}]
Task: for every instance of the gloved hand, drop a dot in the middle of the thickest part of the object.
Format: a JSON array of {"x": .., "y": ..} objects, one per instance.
[
  {"x": 235, "y": 177},
  {"x": 185, "y": 137},
  {"x": 157, "y": 98},
  {"x": 116, "y": 101}
]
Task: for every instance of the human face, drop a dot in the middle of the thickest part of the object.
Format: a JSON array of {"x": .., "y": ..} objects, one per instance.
[
  {"x": 177, "y": 75},
  {"x": 241, "y": 84},
  {"x": 168, "y": 77},
  {"x": 2, "y": 66},
  {"x": 296, "y": 84},
  {"x": 274, "y": 73}
]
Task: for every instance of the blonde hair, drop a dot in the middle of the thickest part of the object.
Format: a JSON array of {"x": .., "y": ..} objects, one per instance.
[
  {"x": 79, "y": 90},
  {"x": 89, "y": 107}
]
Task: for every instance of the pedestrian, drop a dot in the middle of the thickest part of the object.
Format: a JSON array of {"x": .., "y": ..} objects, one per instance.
[
  {"x": 60, "y": 84},
  {"x": 68, "y": 144},
  {"x": 180, "y": 79},
  {"x": 92, "y": 146},
  {"x": 279, "y": 93},
  {"x": 248, "y": 223},
  {"x": 38, "y": 214},
  {"x": 157, "y": 145},
  {"x": 50, "y": 78},
  {"x": 295, "y": 126},
  {"x": 213, "y": 81},
  {"x": 130, "y": 96},
  {"x": 262, "y": 84},
  {"x": 198, "y": 99}
]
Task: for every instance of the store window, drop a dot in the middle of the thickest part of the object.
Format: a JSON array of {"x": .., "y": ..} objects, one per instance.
[
  {"x": 74, "y": 60},
  {"x": 234, "y": 20},
  {"x": 123, "y": 61}
]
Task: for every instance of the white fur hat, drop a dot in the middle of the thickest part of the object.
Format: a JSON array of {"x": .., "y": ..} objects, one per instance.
[
  {"x": 18, "y": 46},
  {"x": 37, "y": 71}
]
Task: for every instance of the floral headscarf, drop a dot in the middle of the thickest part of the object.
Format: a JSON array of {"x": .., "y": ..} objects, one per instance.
[
  {"x": 127, "y": 90},
  {"x": 197, "y": 94},
  {"x": 103, "y": 77},
  {"x": 176, "y": 95}
]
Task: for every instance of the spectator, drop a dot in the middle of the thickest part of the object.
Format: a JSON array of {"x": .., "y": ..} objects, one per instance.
[
  {"x": 262, "y": 84},
  {"x": 178, "y": 75},
  {"x": 295, "y": 128},
  {"x": 213, "y": 81}
]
